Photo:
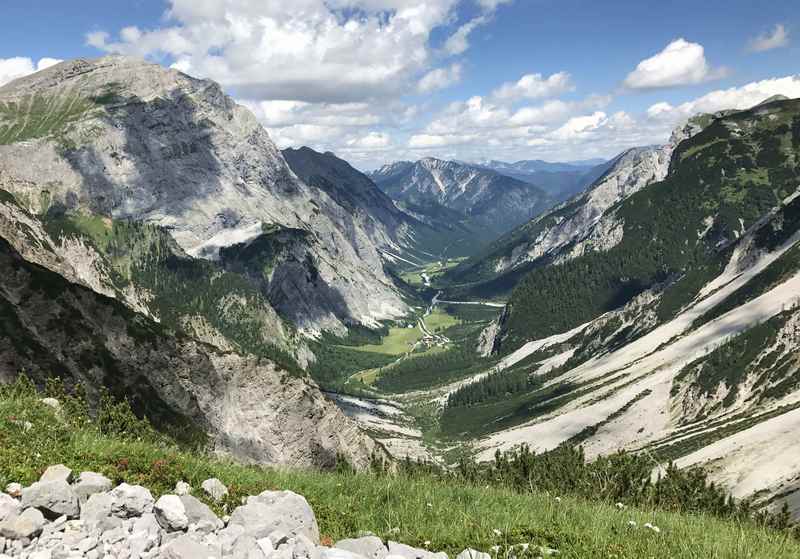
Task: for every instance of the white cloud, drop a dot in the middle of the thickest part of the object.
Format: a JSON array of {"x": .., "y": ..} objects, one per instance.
[
  {"x": 491, "y": 5},
  {"x": 424, "y": 141},
  {"x": 742, "y": 97},
  {"x": 373, "y": 140},
  {"x": 306, "y": 50},
  {"x": 775, "y": 39},
  {"x": 440, "y": 78},
  {"x": 458, "y": 42},
  {"x": 20, "y": 66},
  {"x": 534, "y": 86},
  {"x": 680, "y": 63}
]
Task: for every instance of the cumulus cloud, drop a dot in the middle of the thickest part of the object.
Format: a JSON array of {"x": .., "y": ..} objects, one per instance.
[
  {"x": 533, "y": 86},
  {"x": 776, "y": 38},
  {"x": 680, "y": 63},
  {"x": 742, "y": 97},
  {"x": 20, "y": 66},
  {"x": 373, "y": 140},
  {"x": 440, "y": 78},
  {"x": 307, "y": 50}
]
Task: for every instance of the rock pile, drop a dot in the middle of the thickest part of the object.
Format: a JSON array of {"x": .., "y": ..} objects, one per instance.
[{"x": 62, "y": 516}]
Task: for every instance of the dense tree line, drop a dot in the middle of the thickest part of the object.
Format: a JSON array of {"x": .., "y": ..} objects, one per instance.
[{"x": 494, "y": 386}]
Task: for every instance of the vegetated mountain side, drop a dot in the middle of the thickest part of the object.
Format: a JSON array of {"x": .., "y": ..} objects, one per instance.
[
  {"x": 55, "y": 320},
  {"x": 679, "y": 339},
  {"x": 563, "y": 232},
  {"x": 559, "y": 180},
  {"x": 124, "y": 139},
  {"x": 490, "y": 203}
]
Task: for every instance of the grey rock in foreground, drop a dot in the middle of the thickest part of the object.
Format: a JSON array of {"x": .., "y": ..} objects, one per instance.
[{"x": 125, "y": 522}]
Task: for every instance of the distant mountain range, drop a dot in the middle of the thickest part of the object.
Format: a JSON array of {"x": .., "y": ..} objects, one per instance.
[{"x": 490, "y": 203}]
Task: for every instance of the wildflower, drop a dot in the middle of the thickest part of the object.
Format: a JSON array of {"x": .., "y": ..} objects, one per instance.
[
  {"x": 632, "y": 523},
  {"x": 524, "y": 546},
  {"x": 558, "y": 499},
  {"x": 620, "y": 506},
  {"x": 427, "y": 543},
  {"x": 495, "y": 548},
  {"x": 429, "y": 505},
  {"x": 655, "y": 529},
  {"x": 394, "y": 530},
  {"x": 497, "y": 532}
]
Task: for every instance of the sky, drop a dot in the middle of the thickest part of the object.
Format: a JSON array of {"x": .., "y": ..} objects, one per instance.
[{"x": 376, "y": 81}]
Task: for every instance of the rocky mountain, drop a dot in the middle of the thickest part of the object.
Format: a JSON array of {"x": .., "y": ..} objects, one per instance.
[
  {"x": 490, "y": 203},
  {"x": 565, "y": 231},
  {"x": 57, "y": 319},
  {"x": 559, "y": 180},
  {"x": 676, "y": 335},
  {"x": 123, "y": 139}
]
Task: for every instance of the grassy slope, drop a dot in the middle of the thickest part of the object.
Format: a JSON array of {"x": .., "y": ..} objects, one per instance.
[{"x": 394, "y": 507}]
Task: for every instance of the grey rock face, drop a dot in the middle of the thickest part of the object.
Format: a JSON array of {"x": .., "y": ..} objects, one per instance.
[
  {"x": 370, "y": 547},
  {"x": 53, "y": 498},
  {"x": 282, "y": 511},
  {"x": 131, "y": 500},
  {"x": 89, "y": 483},
  {"x": 162, "y": 147},
  {"x": 214, "y": 488},
  {"x": 96, "y": 512},
  {"x": 249, "y": 406},
  {"x": 171, "y": 513}
]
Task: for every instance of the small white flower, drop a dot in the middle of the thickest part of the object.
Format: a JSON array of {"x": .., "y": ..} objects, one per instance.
[
  {"x": 497, "y": 532},
  {"x": 524, "y": 546},
  {"x": 427, "y": 543},
  {"x": 429, "y": 505},
  {"x": 632, "y": 523},
  {"x": 394, "y": 530},
  {"x": 495, "y": 548},
  {"x": 655, "y": 529},
  {"x": 558, "y": 499},
  {"x": 620, "y": 506}
]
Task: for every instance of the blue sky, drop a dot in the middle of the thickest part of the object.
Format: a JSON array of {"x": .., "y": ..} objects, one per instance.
[{"x": 379, "y": 80}]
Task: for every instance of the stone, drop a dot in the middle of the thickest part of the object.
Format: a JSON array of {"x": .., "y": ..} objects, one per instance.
[
  {"x": 186, "y": 547},
  {"x": 199, "y": 513},
  {"x": 96, "y": 512},
  {"x": 182, "y": 488},
  {"x": 284, "y": 511},
  {"x": 52, "y": 403},
  {"x": 247, "y": 548},
  {"x": 89, "y": 483},
  {"x": 470, "y": 553},
  {"x": 53, "y": 498},
  {"x": 25, "y": 525},
  {"x": 215, "y": 489},
  {"x": 370, "y": 547},
  {"x": 408, "y": 552},
  {"x": 171, "y": 513},
  {"x": 59, "y": 472},
  {"x": 8, "y": 506},
  {"x": 229, "y": 536},
  {"x": 336, "y": 553},
  {"x": 131, "y": 500},
  {"x": 14, "y": 490}
]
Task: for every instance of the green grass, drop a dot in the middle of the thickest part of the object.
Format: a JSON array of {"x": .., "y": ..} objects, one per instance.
[
  {"x": 37, "y": 116},
  {"x": 397, "y": 342},
  {"x": 449, "y": 513}
]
